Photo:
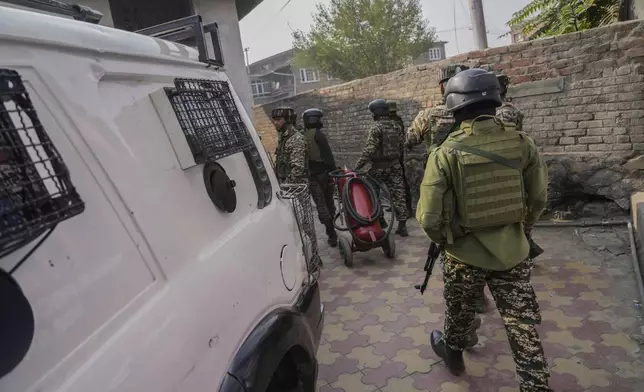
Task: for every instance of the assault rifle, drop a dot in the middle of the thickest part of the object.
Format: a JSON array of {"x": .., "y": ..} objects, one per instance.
[{"x": 433, "y": 254}]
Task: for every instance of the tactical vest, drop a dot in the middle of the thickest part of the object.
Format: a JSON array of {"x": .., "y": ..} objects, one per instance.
[
  {"x": 489, "y": 193},
  {"x": 313, "y": 149},
  {"x": 390, "y": 142}
]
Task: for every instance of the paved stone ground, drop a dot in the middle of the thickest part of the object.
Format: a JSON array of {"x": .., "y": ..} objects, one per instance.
[{"x": 376, "y": 336}]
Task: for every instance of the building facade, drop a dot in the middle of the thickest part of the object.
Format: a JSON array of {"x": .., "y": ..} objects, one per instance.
[
  {"x": 436, "y": 52},
  {"x": 277, "y": 77},
  {"x": 132, "y": 15}
]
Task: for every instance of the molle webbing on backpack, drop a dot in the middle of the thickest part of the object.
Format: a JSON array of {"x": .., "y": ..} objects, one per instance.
[
  {"x": 390, "y": 142},
  {"x": 313, "y": 149},
  {"x": 491, "y": 191}
]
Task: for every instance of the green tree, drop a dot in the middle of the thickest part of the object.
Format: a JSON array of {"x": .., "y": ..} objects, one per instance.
[
  {"x": 542, "y": 18},
  {"x": 358, "y": 38}
]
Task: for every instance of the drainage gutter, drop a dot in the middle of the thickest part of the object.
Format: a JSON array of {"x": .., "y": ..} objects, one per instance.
[{"x": 606, "y": 223}]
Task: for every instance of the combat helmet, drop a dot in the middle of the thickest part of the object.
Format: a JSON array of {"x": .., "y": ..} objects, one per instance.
[
  {"x": 379, "y": 107},
  {"x": 448, "y": 71},
  {"x": 312, "y": 118},
  {"x": 286, "y": 113},
  {"x": 472, "y": 86}
]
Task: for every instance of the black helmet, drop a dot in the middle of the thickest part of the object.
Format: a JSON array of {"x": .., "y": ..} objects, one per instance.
[
  {"x": 284, "y": 112},
  {"x": 472, "y": 86},
  {"x": 447, "y": 72},
  {"x": 379, "y": 107},
  {"x": 504, "y": 82},
  {"x": 312, "y": 118}
]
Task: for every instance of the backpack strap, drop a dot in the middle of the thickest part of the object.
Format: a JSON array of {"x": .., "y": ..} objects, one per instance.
[{"x": 486, "y": 154}]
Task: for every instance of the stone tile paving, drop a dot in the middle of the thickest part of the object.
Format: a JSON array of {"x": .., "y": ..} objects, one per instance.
[{"x": 377, "y": 329}]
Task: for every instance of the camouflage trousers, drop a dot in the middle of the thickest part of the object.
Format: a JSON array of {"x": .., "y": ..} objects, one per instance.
[
  {"x": 517, "y": 303},
  {"x": 393, "y": 177},
  {"x": 407, "y": 190},
  {"x": 322, "y": 193}
]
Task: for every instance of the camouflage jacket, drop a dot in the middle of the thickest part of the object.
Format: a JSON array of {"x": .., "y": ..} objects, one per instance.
[
  {"x": 373, "y": 149},
  {"x": 291, "y": 162},
  {"x": 430, "y": 125},
  {"x": 511, "y": 114}
]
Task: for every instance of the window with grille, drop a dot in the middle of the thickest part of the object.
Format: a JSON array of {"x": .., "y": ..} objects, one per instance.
[
  {"x": 209, "y": 118},
  {"x": 36, "y": 192},
  {"x": 260, "y": 88},
  {"x": 309, "y": 75},
  {"x": 435, "y": 54}
]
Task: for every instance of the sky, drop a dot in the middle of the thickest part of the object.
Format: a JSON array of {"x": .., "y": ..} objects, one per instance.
[{"x": 267, "y": 29}]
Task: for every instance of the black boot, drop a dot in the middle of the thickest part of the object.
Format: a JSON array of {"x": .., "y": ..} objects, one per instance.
[
  {"x": 402, "y": 229},
  {"x": 473, "y": 336},
  {"x": 453, "y": 358},
  {"x": 333, "y": 236}
]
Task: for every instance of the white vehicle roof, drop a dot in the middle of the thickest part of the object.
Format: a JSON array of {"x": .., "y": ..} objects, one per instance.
[{"x": 29, "y": 26}]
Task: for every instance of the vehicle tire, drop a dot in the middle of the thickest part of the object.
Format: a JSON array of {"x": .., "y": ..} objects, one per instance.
[
  {"x": 345, "y": 251},
  {"x": 389, "y": 246}
]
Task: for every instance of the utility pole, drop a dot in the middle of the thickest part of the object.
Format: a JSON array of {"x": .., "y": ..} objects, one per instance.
[{"x": 478, "y": 24}]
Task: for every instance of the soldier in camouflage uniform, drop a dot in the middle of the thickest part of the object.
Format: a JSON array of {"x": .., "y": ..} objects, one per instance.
[
  {"x": 321, "y": 163},
  {"x": 482, "y": 164},
  {"x": 508, "y": 112},
  {"x": 433, "y": 124},
  {"x": 382, "y": 151},
  {"x": 291, "y": 164},
  {"x": 393, "y": 114}
]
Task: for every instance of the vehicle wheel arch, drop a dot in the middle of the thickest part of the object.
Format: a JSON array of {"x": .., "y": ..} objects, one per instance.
[{"x": 280, "y": 333}]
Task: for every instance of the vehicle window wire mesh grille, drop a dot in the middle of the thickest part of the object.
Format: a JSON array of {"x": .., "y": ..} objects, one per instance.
[
  {"x": 300, "y": 197},
  {"x": 36, "y": 192},
  {"x": 209, "y": 118}
]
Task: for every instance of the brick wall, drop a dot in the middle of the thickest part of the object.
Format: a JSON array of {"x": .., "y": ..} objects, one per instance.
[{"x": 582, "y": 95}]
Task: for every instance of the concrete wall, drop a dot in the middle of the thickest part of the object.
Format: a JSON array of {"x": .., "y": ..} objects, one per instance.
[{"x": 582, "y": 95}]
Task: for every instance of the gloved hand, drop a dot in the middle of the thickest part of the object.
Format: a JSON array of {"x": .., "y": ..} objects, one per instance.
[{"x": 527, "y": 229}]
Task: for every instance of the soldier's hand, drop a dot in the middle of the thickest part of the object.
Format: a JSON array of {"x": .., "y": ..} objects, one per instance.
[{"x": 527, "y": 229}]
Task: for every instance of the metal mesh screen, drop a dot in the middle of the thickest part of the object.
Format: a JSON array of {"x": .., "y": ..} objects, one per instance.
[
  {"x": 300, "y": 198},
  {"x": 209, "y": 118},
  {"x": 36, "y": 192}
]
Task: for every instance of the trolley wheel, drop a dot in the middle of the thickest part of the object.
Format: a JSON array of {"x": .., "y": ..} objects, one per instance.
[
  {"x": 346, "y": 252},
  {"x": 389, "y": 246}
]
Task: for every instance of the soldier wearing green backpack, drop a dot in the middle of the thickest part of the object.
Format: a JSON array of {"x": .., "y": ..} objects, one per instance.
[{"x": 483, "y": 188}]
